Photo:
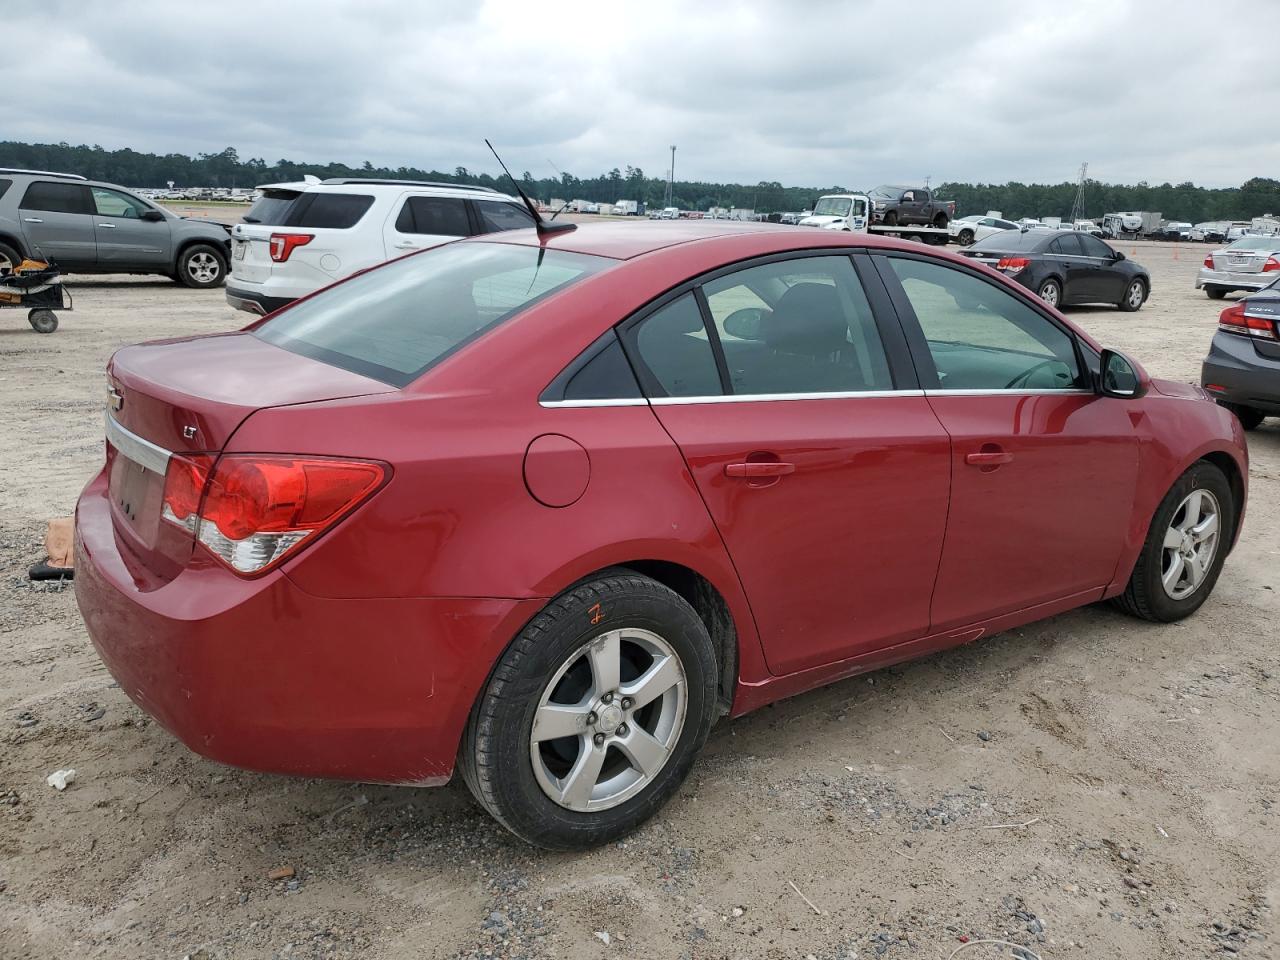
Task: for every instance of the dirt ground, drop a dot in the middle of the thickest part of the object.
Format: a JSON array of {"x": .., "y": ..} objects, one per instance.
[{"x": 876, "y": 817}]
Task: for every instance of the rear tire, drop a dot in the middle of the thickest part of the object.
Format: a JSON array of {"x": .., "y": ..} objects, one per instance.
[
  {"x": 43, "y": 321},
  {"x": 1146, "y": 595},
  {"x": 558, "y": 665},
  {"x": 1215, "y": 293},
  {"x": 1249, "y": 417},
  {"x": 1135, "y": 295},
  {"x": 940, "y": 221},
  {"x": 9, "y": 258},
  {"x": 1051, "y": 293},
  {"x": 891, "y": 218},
  {"x": 202, "y": 266}
]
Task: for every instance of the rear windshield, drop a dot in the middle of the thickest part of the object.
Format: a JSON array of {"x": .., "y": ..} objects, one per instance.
[
  {"x": 395, "y": 322},
  {"x": 1255, "y": 243},
  {"x": 1014, "y": 240},
  {"x": 331, "y": 211}
]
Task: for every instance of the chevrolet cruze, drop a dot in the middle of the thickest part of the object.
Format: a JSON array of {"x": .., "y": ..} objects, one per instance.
[{"x": 542, "y": 507}]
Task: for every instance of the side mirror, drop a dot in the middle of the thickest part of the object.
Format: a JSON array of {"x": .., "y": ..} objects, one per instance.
[
  {"x": 1121, "y": 377},
  {"x": 1116, "y": 256},
  {"x": 152, "y": 216}
]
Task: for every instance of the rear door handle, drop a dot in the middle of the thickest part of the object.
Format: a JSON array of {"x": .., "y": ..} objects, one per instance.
[
  {"x": 988, "y": 458},
  {"x": 405, "y": 245},
  {"x": 109, "y": 226},
  {"x": 33, "y": 220},
  {"x": 766, "y": 468}
]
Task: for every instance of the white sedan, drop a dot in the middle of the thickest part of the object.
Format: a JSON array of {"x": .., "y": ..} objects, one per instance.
[{"x": 966, "y": 230}]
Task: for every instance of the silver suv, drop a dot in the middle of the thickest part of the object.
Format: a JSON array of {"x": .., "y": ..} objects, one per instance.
[{"x": 89, "y": 227}]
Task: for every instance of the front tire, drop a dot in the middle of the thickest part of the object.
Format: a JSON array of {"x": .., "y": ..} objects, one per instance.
[
  {"x": 593, "y": 716},
  {"x": 1185, "y": 549},
  {"x": 1250, "y": 418},
  {"x": 1215, "y": 293},
  {"x": 202, "y": 266},
  {"x": 1135, "y": 295},
  {"x": 965, "y": 237},
  {"x": 891, "y": 218}
]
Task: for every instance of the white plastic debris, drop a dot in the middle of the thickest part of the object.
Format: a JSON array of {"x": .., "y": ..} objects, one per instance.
[
  {"x": 603, "y": 937},
  {"x": 61, "y": 779}
]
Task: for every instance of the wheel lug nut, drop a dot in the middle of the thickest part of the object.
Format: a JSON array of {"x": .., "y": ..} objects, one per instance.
[
  {"x": 607, "y": 698},
  {"x": 626, "y": 703},
  {"x": 592, "y": 718},
  {"x": 599, "y": 739},
  {"x": 622, "y": 730}
]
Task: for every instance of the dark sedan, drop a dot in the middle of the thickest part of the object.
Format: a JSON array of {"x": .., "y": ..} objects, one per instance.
[
  {"x": 1242, "y": 370},
  {"x": 1065, "y": 267}
]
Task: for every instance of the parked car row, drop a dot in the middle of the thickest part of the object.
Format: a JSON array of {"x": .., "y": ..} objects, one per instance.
[{"x": 1242, "y": 370}]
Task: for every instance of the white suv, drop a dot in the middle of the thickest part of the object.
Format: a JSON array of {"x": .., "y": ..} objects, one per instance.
[{"x": 300, "y": 237}]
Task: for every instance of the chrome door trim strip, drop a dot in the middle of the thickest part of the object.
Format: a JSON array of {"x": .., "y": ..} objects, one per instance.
[
  {"x": 1007, "y": 393},
  {"x": 620, "y": 402},
  {"x": 142, "y": 452},
  {"x": 768, "y": 397}
]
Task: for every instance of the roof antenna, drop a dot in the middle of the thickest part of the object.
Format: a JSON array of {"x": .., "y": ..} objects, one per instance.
[{"x": 542, "y": 226}]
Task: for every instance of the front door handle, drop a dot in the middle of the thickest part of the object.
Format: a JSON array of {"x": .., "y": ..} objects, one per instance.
[
  {"x": 33, "y": 220},
  {"x": 109, "y": 226},
  {"x": 757, "y": 469},
  {"x": 988, "y": 458},
  {"x": 406, "y": 246}
]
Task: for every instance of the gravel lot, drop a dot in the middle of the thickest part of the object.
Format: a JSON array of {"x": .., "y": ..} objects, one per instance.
[{"x": 1144, "y": 762}]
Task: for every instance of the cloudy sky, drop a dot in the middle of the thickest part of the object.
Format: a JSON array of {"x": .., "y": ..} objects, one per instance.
[{"x": 809, "y": 93}]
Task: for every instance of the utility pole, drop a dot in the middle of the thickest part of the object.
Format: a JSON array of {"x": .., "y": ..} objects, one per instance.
[
  {"x": 1077, "y": 206},
  {"x": 671, "y": 179}
]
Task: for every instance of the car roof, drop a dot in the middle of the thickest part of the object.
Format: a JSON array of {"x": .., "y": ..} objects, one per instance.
[
  {"x": 347, "y": 184},
  {"x": 621, "y": 240}
]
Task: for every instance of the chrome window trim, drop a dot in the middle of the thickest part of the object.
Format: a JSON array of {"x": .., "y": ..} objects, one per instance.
[
  {"x": 767, "y": 397},
  {"x": 845, "y": 395},
  {"x": 142, "y": 452},
  {"x": 615, "y": 402}
]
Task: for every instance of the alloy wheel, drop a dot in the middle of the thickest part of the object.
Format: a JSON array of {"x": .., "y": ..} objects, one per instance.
[
  {"x": 609, "y": 720},
  {"x": 1135, "y": 295},
  {"x": 204, "y": 267},
  {"x": 1049, "y": 294},
  {"x": 1190, "y": 544}
]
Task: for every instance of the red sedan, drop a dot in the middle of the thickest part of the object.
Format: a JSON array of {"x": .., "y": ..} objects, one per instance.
[{"x": 546, "y": 506}]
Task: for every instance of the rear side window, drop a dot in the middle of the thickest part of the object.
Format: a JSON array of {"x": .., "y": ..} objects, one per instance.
[
  {"x": 394, "y": 322},
  {"x": 1093, "y": 247},
  {"x": 673, "y": 347},
  {"x": 606, "y": 376},
  {"x": 443, "y": 216},
  {"x": 502, "y": 216},
  {"x": 1068, "y": 245},
  {"x": 4, "y": 186},
  {"x": 272, "y": 208},
  {"x": 330, "y": 211},
  {"x": 55, "y": 197}
]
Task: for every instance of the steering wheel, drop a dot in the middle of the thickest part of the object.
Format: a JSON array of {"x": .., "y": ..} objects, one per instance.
[{"x": 1021, "y": 379}]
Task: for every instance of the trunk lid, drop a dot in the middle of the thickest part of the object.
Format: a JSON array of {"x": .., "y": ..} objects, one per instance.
[
  {"x": 1239, "y": 261},
  {"x": 187, "y": 397}
]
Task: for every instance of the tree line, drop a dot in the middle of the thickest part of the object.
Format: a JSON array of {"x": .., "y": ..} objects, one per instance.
[{"x": 1183, "y": 201}]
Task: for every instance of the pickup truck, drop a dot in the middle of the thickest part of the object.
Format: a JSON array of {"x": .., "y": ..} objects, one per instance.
[{"x": 892, "y": 205}]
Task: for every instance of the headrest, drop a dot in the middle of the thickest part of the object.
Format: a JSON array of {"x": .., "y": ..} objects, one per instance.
[{"x": 807, "y": 321}]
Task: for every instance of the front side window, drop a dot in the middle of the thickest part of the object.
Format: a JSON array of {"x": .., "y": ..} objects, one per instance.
[
  {"x": 113, "y": 203},
  {"x": 981, "y": 337},
  {"x": 502, "y": 216},
  {"x": 396, "y": 321},
  {"x": 441, "y": 216},
  {"x": 798, "y": 326},
  {"x": 55, "y": 197},
  {"x": 672, "y": 346}
]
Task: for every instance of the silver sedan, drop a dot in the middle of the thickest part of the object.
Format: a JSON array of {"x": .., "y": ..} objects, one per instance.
[{"x": 1250, "y": 263}]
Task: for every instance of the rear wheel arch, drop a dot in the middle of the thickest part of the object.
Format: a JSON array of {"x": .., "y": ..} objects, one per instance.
[{"x": 14, "y": 243}]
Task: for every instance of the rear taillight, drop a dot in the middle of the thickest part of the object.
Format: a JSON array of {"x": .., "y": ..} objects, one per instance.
[
  {"x": 251, "y": 511},
  {"x": 283, "y": 244},
  {"x": 1271, "y": 265},
  {"x": 1208, "y": 261},
  {"x": 1235, "y": 319},
  {"x": 1013, "y": 263}
]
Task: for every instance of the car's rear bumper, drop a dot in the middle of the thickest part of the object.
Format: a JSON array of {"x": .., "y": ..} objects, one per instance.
[
  {"x": 1236, "y": 372},
  {"x": 262, "y": 675},
  {"x": 254, "y": 302},
  {"x": 1235, "y": 281}
]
